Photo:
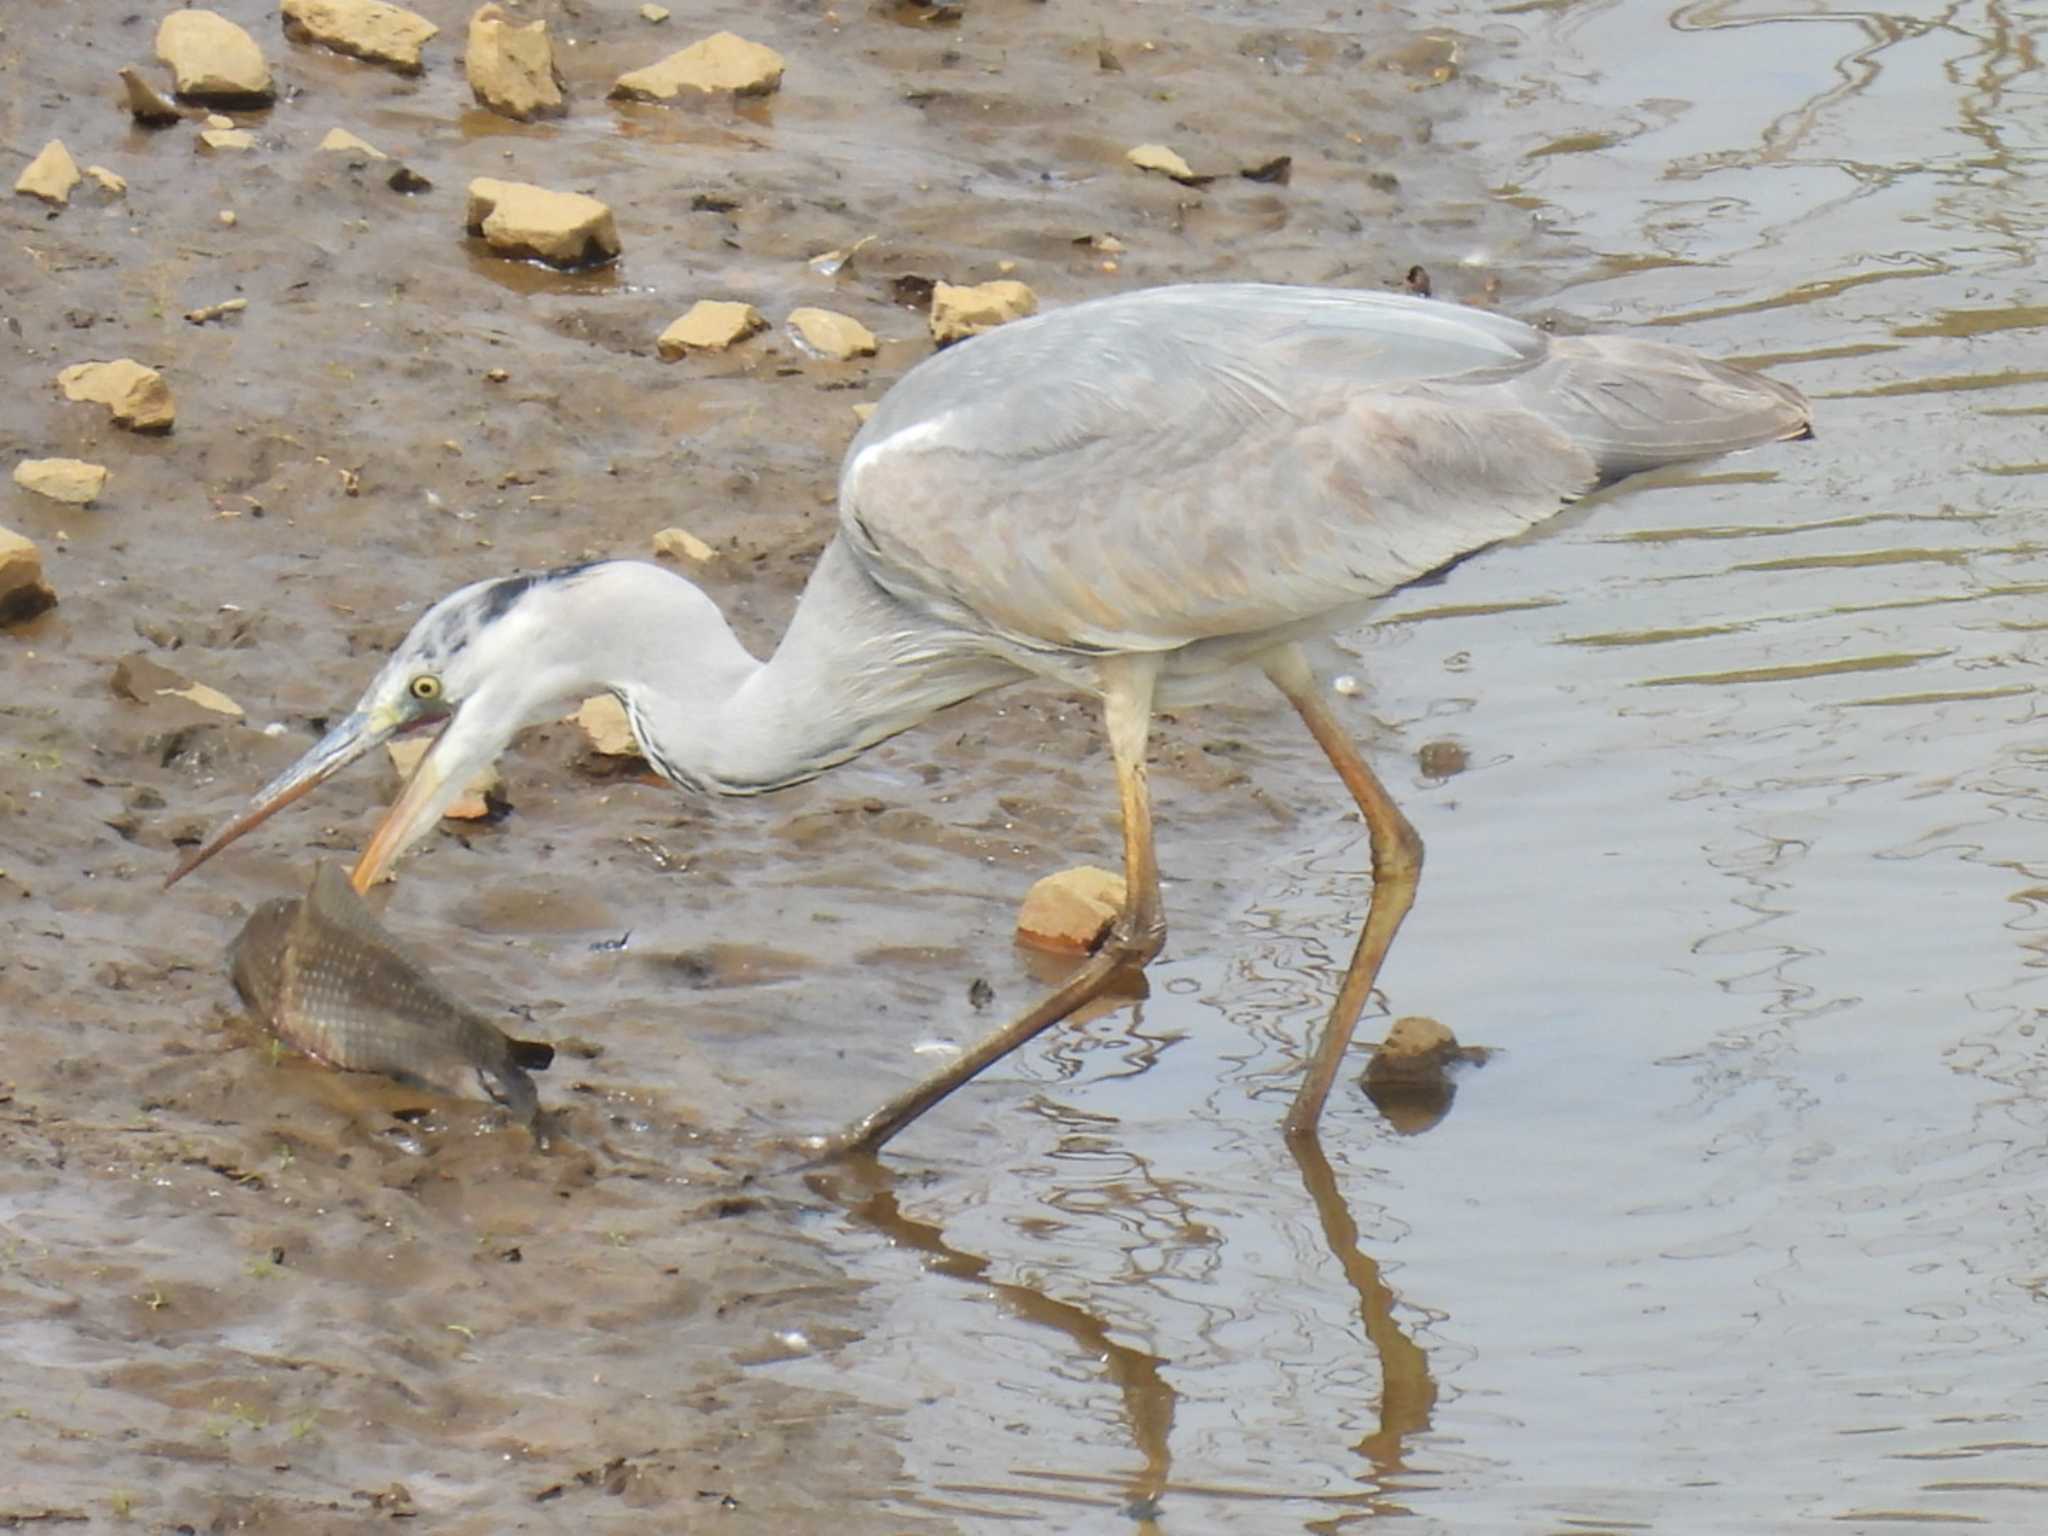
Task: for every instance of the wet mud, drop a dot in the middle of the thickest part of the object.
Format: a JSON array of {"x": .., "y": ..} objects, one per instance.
[{"x": 1737, "y": 879}]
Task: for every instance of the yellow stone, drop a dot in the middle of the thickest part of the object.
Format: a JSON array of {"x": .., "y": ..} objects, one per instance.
[
  {"x": 830, "y": 334},
  {"x": 227, "y": 138},
  {"x": 23, "y": 592},
  {"x": 206, "y": 698},
  {"x": 363, "y": 29},
  {"x": 968, "y": 310},
  {"x": 564, "y": 229},
  {"x": 602, "y": 719},
  {"x": 681, "y": 544},
  {"x": 211, "y": 58},
  {"x": 1072, "y": 910},
  {"x": 341, "y": 141},
  {"x": 50, "y": 176},
  {"x": 138, "y": 396},
  {"x": 67, "y": 480},
  {"x": 511, "y": 68},
  {"x": 654, "y": 14},
  {"x": 146, "y": 104},
  {"x": 108, "y": 181},
  {"x": 711, "y": 325},
  {"x": 722, "y": 62},
  {"x": 1157, "y": 157}
]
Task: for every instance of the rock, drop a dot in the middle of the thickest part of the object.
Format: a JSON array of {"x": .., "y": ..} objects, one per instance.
[
  {"x": 50, "y": 176},
  {"x": 712, "y": 325},
  {"x": 143, "y": 681},
  {"x": 108, "y": 182},
  {"x": 654, "y": 15},
  {"x": 212, "y": 59},
  {"x": 219, "y": 120},
  {"x": 23, "y": 592},
  {"x": 341, "y": 141},
  {"x": 829, "y": 334},
  {"x": 474, "y": 803},
  {"x": 721, "y": 62},
  {"x": 1414, "y": 1046},
  {"x": 69, "y": 480},
  {"x": 511, "y": 67},
  {"x": 1070, "y": 911},
  {"x": 564, "y": 229},
  {"x": 138, "y": 396},
  {"x": 217, "y": 139},
  {"x": 1409, "y": 1078},
  {"x": 1157, "y": 157},
  {"x": 363, "y": 29},
  {"x": 1442, "y": 759},
  {"x": 602, "y": 719},
  {"x": 146, "y": 104},
  {"x": 970, "y": 310},
  {"x": 681, "y": 544}
]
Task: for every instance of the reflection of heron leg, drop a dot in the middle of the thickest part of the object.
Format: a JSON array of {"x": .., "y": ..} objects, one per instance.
[
  {"x": 1396, "y": 867},
  {"x": 1134, "y": 938}
]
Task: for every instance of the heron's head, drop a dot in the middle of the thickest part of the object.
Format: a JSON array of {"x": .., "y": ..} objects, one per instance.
[{"x": 480, "y": 664}]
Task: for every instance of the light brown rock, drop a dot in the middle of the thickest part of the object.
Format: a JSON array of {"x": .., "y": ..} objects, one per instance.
[
  {"x": 50, "y": 176},
  {"x": 1070, "y": 911},
  {"x": 340, "y": 141},
  {"x": 473, "y": 804},
  {"x": 23, "y": 592},
  {"x": 511, "y": 68},
  {"x": 831, "y": 334},
  {"x": 564, "y": 229},
  {"x": 212, "y": 59},
  {"x": 681, "y": 544},
  {"x": 654, "y": 15},
  {"x": 968, "y": 310},
  {"x": 722, "y": 62},
  {"x": 1414, "y": 1044},
  {"x": 107, "y": 181},
  {"x": 146, "y": 104},
  {"x": 1157, "y": 157},
  {"x": 138, "y": 396},
  {"x": 602, "y": 719},
  {"x": 144, "y": 680},
  {"x": 363, "y": 29},
  {"x": 711, "y": 325},
  {"x": 67, "y": 480},
  {"x": 214, "y": 140}
]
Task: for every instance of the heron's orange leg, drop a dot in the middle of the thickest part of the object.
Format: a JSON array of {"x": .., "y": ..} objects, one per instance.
[
  {"x": 1396, "y": 869},
  {"x": 1134, "y": 938}
]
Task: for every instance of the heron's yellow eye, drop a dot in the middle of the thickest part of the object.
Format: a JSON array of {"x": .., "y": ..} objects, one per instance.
[{"x": 426, "y": 688}]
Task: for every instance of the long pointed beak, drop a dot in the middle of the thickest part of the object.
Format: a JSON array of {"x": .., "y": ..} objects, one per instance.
[{"x": 342, "y": 745}]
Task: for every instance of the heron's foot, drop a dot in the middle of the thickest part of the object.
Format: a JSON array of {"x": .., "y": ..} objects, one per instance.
[{"x": 854, "y": 1146}]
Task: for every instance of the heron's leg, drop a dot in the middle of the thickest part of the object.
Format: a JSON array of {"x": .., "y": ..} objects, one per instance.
[
  {"x": 1396, "y": 868},
  {"x": 1136, "y": 935}
]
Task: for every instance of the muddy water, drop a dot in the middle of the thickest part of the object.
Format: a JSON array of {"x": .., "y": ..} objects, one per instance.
[{"x": 1738, "y": 1228}]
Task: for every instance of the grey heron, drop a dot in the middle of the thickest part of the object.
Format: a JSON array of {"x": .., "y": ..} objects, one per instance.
[{"x": 1134, "y": 497}]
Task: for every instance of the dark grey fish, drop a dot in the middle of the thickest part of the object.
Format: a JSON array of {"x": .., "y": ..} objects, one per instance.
[{"x": 323, "y": 973}]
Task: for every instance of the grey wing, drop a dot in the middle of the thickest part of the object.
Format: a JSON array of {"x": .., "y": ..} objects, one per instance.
[{"x": 1138, "y": 474}]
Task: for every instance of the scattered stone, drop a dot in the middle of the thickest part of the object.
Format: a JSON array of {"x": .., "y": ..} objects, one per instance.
[
  {"x": 108, "y": 182},
  {"x": 143, "y": 681},
  {"x": 212, "y": 59},
  {"x": 214, "y": 311},
  {"x": 654, "y": 15},
  {"x": 863, "y": 410},
  {"x": 219, "y": 120},
  {"x": 498, "y": 375},
  {"x": 602, "y": 719},
  {"x": 832, "y": 263},
  {"x": 511, "y": 67},
  {"x": 217, "y": 139},
  {"x": 23, "y": 592},
  {"x": 474, "y": 803},
  {"x": 1070, "y": 911},
  {"x": 1278, "y": 171},
  {"x": 363, "y": 29},
  {"x": 681, "y": 544},
  {"x": 711, "y": 325},
  {"x": 1157, "y": 157},
  {"x": 1441, "y": 759},
  {"x": 826, "y": 333},
  {"x": 227, "y": 217},
  {"x": 1409, "y": 1077},
  {"x": 50, "y": 176},
  {"x": 563, "y": 229},
  {"x": 1414, "y": 1046},
  {"x": 722, "y": 62},
  {"x": 341, "y": 141},
  {"x": 146, "y": 104},
  {"x": 409, "y": 181},
  {"x": 67, "y": 480},
  {"x": 970, "y": 310},
  {"x": 138, "y": 396}
]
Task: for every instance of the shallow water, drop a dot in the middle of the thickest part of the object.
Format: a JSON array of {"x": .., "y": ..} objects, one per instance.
[{"x": 1741, "y": 1225}]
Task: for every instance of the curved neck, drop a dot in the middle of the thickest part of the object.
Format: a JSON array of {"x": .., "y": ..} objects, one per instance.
[{"x": 854, "y": 668}]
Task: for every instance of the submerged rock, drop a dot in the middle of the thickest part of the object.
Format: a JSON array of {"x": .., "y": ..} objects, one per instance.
[
  {"x": 722, "y": 62},
  {"x": 831, "y": 334},
  {"x": 363, "y": 29},
  {"x": 145, "y": 103},
  {"x": 138, "y": 396},
  {"x": 50, "y": 176},
  {"x": 511, "y": 67},
  {"x": 564, "y": 229},
  {"x": 961, "y": 311},
  {"x": 68, "y": 480},
  {"x": 341, "y": 141},
  {"x": 212, "y": 59},
  {"x": 23, "y": 592},
  {"x": 711, "y": 325},
  {"x": 1070, "y": 911}
]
